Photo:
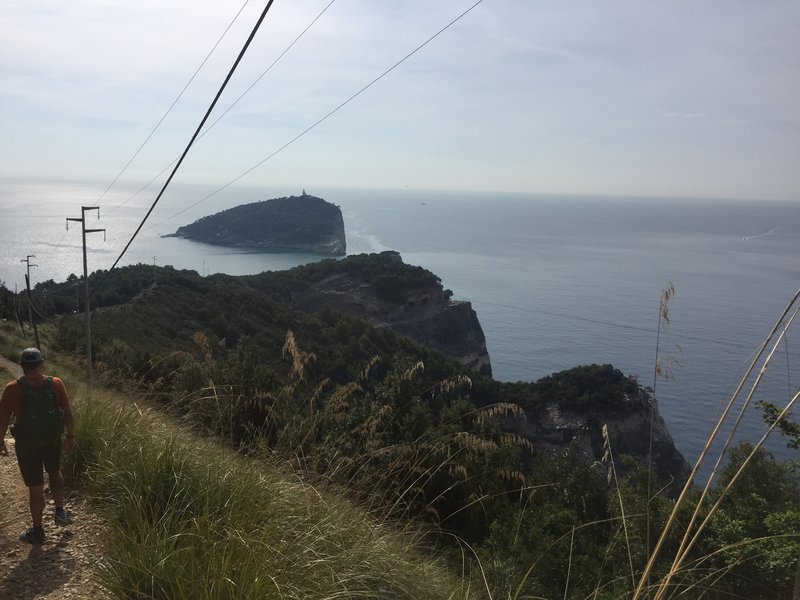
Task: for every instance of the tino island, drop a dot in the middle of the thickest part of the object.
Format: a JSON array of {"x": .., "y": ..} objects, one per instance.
[{"x": 295, "y": 224}]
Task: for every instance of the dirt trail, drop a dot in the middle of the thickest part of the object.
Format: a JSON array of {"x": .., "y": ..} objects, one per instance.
[{"x": 64, "y": 567}]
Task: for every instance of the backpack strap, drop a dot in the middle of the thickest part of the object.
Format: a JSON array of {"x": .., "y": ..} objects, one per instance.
[{"x": 25, "y": 384}]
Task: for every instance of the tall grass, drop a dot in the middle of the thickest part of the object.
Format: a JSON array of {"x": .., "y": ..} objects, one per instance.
[
  {"x": 661, "y": 368},
  {"x": 390, "y": 479},
  {"x": 679, "y": 566},
  {"x": 702, "y": 513},
  {"x": 189, "y": 519},
  {"x": 339, "y": 433}
]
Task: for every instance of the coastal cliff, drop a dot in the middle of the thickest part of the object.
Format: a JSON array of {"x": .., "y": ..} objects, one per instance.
[
  {"x": 295, "y": 224},
  {"x": 563, "y": 411},
  {"x": 570, "y": 409},
  {"x": 388, "y": 293}
]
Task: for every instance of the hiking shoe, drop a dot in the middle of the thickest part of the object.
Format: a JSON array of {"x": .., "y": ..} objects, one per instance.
[
  {"x": 61, "y": 517},
  {"x": 33, "y": 535}
]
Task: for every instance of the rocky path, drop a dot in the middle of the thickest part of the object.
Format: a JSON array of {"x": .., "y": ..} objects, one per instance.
[{"x": 64, "y": 567}]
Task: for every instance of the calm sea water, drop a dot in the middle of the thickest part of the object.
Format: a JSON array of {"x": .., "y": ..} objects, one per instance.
[{"x": 556, "y": 281}]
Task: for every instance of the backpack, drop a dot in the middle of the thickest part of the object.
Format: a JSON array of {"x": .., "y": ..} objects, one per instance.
[{"x": 41, "y": 420}]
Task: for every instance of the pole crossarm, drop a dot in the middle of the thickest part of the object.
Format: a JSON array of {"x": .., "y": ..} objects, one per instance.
[{"x": 27, "y": 261}]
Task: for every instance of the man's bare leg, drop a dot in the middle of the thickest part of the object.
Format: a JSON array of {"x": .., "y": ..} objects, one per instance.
[{"x": 36, "y": 494}]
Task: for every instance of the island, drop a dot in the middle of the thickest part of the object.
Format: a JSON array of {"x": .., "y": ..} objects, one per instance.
[{"x": 302, "y": 223}]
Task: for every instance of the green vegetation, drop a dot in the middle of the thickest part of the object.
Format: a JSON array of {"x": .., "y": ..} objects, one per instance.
[
  {"x": 386, "y": 273},
  {"x": 188, "y": 519},
  {"x": 753, "y": 542},
  {"x": 328, "y": 406},
  {"x": 786, "y": 425},
  {"x": 295, "y": 223},
  {"x": 585, "y": 387}
]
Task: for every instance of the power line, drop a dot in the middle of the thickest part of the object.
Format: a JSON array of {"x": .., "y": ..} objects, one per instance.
[
  {"x": 191, "y": 141},
  {"x": 269, "y": 68},
  {"x": 329, "y": 114},
  {"x": 161, "y": 120},
  {"x": 235, "y": 102},
  {"x": 164, "y": 116},
  {"x": 649, "y": 330},
  {"x": 36, "y": 310}
]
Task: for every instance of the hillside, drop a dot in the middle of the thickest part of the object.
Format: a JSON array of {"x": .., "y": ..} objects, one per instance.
[
  {"x": 338, "y": 311},
  {"x": 294, "y": 224},
  {"x": 162, "y": 511},
  {"x": 531, "y": 475},
  {"x": 348, "y": 313},
  {"x": 385, "y": 291}
]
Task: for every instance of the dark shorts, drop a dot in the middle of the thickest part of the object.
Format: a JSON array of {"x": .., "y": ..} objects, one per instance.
[{"x": 31, "y": 461}]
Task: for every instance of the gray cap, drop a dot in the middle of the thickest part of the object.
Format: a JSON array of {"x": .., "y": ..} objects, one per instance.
[{"x": 31, "y": 357}]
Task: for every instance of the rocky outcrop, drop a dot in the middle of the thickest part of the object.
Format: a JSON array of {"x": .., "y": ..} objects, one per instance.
[
  {"x": 451, "y": 327},
  {"x": 294, "y": 224},
  {"x": 573, "y": 412},
  {"x": 628, "y": 434},
  {"x": 422, "y": 312}
]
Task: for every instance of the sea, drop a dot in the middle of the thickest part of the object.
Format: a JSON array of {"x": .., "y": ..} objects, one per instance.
[{"x": 557, "y": 281}]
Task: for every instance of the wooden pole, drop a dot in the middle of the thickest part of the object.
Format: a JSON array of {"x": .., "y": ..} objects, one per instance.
[
  {"x": 84, "y": 231},
  {"x": 30, "y": 311}
]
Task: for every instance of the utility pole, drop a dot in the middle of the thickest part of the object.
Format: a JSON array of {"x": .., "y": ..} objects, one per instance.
[
  {"x": 82, "y": 221},
  {"x": 30, "y": 313},
  {"x": 27, "y": 261},
  {"x": 16, "y": 312}
]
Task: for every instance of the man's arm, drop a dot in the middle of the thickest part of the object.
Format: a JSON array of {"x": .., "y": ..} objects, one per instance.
[
  {"x": 69, "y": 421},
  {"x": 5, "y": 416}
]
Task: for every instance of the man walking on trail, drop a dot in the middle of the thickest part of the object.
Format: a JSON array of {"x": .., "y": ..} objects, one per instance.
[{"x": 41, "y": 412}]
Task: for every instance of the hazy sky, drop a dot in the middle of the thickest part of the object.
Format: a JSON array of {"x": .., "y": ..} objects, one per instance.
[{"x": 684, "y": 98}]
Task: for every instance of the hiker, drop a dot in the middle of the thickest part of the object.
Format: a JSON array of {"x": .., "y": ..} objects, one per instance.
[{"x": 40, "y": 407}]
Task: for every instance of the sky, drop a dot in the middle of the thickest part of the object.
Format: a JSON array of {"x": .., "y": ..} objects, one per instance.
[{"x": 672, "y": 98}]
